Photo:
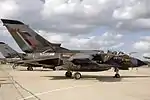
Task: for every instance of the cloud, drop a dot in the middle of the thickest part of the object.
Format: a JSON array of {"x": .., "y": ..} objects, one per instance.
[
  {"x": 118, "y": 14},
  {"x": 104, "y": 41},
  {"x": 43, "y": 1},
  {"x": 143, "y": 46},
  {"x": 75, "y": 18},
  {"x": 146, "y": 54},
  {"x": 117, "y": 45},
  {"x": 132, "y": 9},
  {"x": 8, "y": 8}
]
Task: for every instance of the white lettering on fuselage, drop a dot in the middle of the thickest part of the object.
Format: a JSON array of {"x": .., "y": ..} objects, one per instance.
[
  {"x": 47, "y": 54},
  {"x": 64, "y": 55}
]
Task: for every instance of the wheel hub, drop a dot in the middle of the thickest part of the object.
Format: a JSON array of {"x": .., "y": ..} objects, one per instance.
[{"x": 78, "y": 75}]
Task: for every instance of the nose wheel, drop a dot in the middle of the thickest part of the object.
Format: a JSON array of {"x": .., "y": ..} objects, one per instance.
[
  {"x": 117, "y": 75},
  {"x": 14, "y": 66}
]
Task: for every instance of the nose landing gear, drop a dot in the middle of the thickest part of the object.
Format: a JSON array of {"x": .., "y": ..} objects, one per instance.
[
  {"x": 117, "y": 75},
  {"x": 14, "y": 66}
]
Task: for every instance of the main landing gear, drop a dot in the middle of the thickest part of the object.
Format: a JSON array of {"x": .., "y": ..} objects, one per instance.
[
  {"x": 54, "y": 69},
  {"x": 76, "y": 75},
  {"x": 29, "y": 68},
  {"x": 117, "y": 75},
  {"x": 68, "y": 74}
]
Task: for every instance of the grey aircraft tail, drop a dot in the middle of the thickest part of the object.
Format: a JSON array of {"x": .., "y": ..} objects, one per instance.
[
  {"x": 27, "y": 39},
  {"x": 8, "y": 52}
]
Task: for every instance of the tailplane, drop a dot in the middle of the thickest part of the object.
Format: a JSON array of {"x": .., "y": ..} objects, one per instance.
[{"x": 7, "y": 51}]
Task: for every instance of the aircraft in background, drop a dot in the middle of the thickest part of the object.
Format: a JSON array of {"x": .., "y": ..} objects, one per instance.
[
  {"x": 2, "y": 61},
  {"x": 71, "y": 60},
  {"x": 10, "y": 54}
]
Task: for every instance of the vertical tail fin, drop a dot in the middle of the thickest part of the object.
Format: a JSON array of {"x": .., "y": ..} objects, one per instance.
[
  {"x": 27, "y": 39},
  {"x": 7, "y": 51}
]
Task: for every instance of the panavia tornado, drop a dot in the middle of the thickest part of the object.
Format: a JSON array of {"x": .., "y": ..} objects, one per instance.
[
  {"x": 71, "y": 60},
  {"x": 10, "y": 54}
]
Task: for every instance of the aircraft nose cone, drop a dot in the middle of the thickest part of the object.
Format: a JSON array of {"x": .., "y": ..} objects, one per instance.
[
  {"x": 141, "y": 63},
  {"x": 137, "y": 62}
]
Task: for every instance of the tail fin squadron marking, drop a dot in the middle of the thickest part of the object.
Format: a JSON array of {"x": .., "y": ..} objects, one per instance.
[{"x": 19, "y": 39}]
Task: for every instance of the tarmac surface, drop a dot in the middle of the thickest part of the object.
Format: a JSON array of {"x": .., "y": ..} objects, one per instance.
[{"x": 40, "y": 84}]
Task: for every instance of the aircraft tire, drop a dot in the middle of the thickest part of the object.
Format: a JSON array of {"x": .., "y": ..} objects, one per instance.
[
  {"x": 54, "y": 69},
  {"x": 68, "y": 74},
  {"x": 27, "y": 68},
  {"x": 117, "y": 76},
  {"x": 77, "y": 75},
  {"x": 30, "y": 68}
]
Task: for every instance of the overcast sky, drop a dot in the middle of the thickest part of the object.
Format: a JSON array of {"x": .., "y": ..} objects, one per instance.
[{"x": 122, "y": 25}]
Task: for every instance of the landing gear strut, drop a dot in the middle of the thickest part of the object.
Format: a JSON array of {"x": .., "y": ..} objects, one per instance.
[
  {"x": 117, "y": 75},
  {"x": 14, "y": 66},
  {"x": 30, "y": 68}
]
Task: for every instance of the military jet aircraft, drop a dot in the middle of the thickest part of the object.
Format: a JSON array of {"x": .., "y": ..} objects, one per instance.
[
  {"x": 12, "y": 56},
  {"x": 39, "y": 51},
  {"x": 102, "y": 62},
  {"x": 71, "y": 60},
  {"x": 31, "y": 42}
]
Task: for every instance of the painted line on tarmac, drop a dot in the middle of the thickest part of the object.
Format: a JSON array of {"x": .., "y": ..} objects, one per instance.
[{"x": 55, "y": 90}]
